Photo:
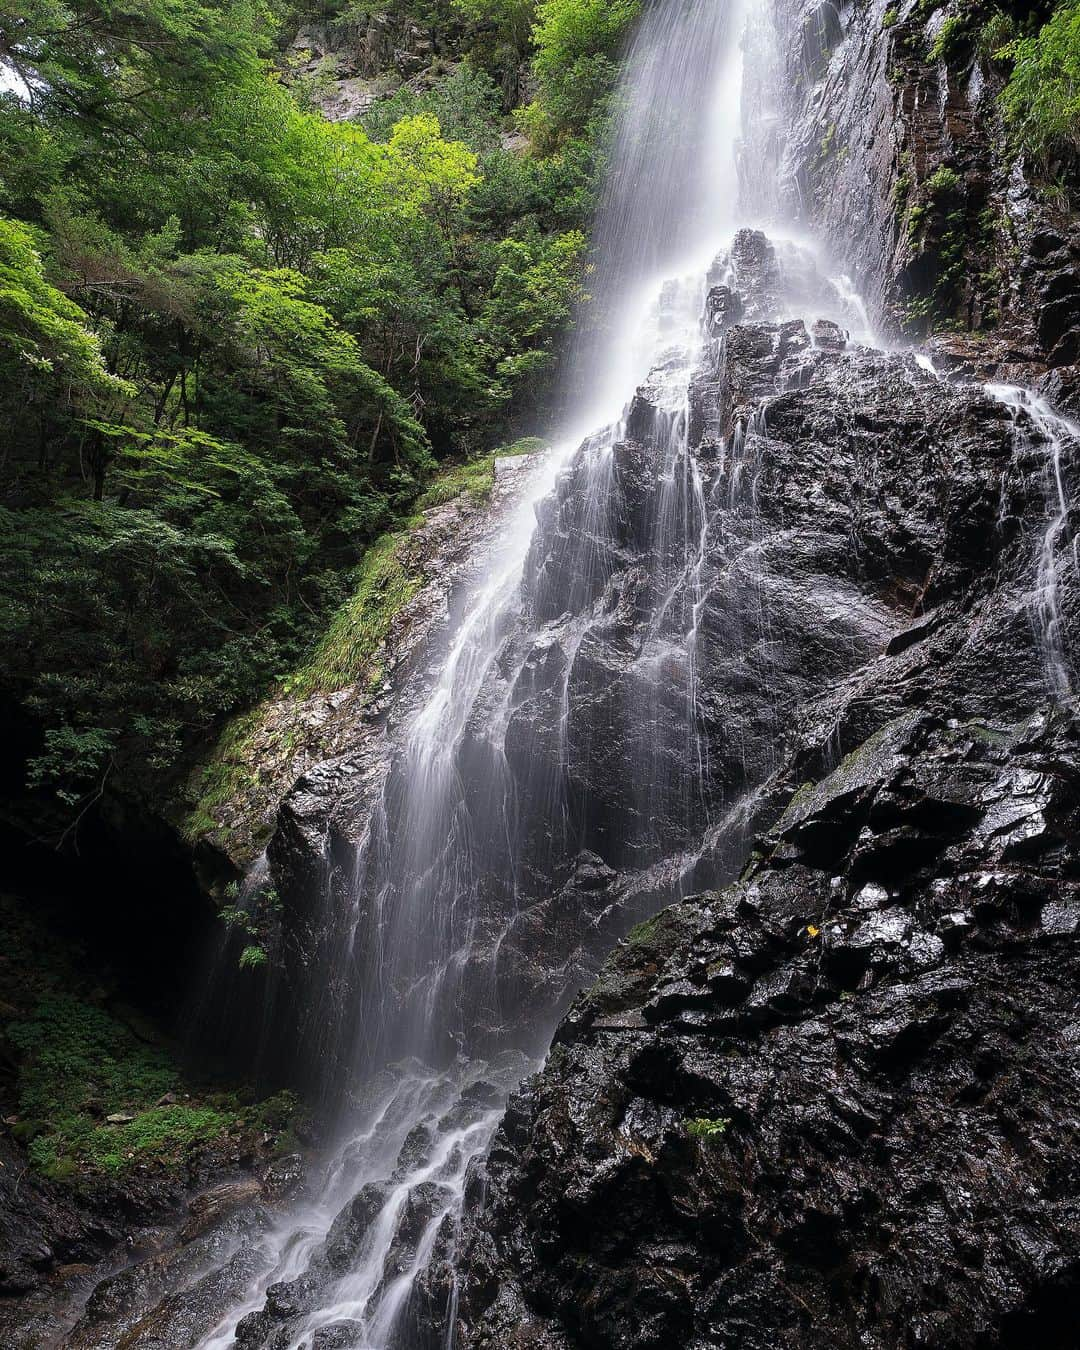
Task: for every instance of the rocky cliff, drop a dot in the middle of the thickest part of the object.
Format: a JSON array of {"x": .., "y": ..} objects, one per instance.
[
  {"x": 829, "y": 1099},
  {"x": 893, "y": 152},
  {"x": 834, "y": 1104},
  {"x": 820, "y": 1107}
]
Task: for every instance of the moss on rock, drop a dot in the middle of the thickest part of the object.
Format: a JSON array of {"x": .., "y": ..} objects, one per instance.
[{"x": 233, "y": 794}]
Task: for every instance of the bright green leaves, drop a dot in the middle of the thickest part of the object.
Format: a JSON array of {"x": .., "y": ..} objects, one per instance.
[
  {"x": 427, "y": 173},
  {"x": 1042, "y": 98},
  {"x": 576, "y": 45},
  {"x": 235, "y": 337},
  {"x": 308, "y": 371},
  {"x": 570, "y": 31},
  {"x": 538, "y": 281},
  {"x": 42, "y": 332}
]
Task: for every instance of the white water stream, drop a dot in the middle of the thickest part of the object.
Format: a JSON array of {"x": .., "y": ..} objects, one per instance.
[
  {"x": 447, "y": 833},
  {"x": 1061, "y": 437},
  {"x": 440, "y": 1042}
]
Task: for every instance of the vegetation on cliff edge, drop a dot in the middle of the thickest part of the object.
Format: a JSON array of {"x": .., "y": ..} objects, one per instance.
[{"x": 235, "y": 338}]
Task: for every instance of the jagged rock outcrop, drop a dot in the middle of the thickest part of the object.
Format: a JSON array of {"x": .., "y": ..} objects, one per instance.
[
  {"x": 895, "y": 152},
  {"x": 831, "y": 556},
  {"x": 834, "y": 1104},
  {"x": 843, "y": 537},
  {"x": 722, "y": 1147},
  {"x": 350, "y": 62}
]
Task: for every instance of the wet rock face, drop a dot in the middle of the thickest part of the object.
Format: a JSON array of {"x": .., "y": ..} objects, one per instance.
[
  {"x": 132, "y": 1264},
  {"x": 903, "y": 162},
  {"x": 793, "y": 557},
  {"x": 796, "y": 608},
  {"x": 834, "y": 1104},
  {"x": 820, "y": 1107}
]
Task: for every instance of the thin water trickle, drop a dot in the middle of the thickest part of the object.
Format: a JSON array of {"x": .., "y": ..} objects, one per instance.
[
  {"x": 1061, "y": 437},
  {"x": 1057, "y": 550}
]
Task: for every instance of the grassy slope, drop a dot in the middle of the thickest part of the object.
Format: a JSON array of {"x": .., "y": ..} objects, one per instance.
[{"x": 346, "y": 654}]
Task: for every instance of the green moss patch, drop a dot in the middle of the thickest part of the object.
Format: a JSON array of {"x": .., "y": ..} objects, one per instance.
[
  {"x": 347, "y": 654},
  {"x": 384, "y": 586},
  {"x": 93, "y": 1090}
]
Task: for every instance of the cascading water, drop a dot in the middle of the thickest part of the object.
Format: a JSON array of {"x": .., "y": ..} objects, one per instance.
[
  {"x": 558, "y": 750},
  {"x": 1058, "y": 551},
  {"x": 1058, "y": 435},
  {"x": 423, "y": 1025}
]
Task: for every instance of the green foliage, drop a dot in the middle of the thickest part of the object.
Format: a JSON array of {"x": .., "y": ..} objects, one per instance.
[
  {"x": 235, "y": 339},
  {"x": 889, "y": 18},
  {"x": 943, "y": 182},
  {"x": 708, "y": 1129},
  {"x": 43, "y": 333},
  {"x": 577, "y": 42},
  {"x": 953, "y": 38},
  {"x": 510, "y": 22},
  {"x": 383, "y": 587},
  {"x": 938, "y": 230},
  {"x": 475, "y": 476},
  {"x": 994, "y": 36},
  {"x": 75, "y": 1053},
  {"x": 1041, "y": 100},
  {"x": 79, "y": 1066}
]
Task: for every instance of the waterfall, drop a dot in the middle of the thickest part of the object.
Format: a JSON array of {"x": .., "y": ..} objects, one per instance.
[
  {"x": 541, "y": 796},
  {"x": 421, "y": 1013}
]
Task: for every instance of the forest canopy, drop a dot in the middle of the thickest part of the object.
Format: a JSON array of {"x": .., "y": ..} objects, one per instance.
[{"x": 235, "y": 337}]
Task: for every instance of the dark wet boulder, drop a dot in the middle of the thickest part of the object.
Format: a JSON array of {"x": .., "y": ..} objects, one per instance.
[{"x": 831, "y": 1104}]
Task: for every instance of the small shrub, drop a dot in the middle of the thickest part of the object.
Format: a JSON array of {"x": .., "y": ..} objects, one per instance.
[
  {"x": 915, "y": 222},
  {"x": 1041, "y": 101},
  {"x": 706, "y": 1128},
  {"x": 943, "y": 182},
  {"x": 994, "y": 37},
  {"x": 953, "y": 36}
]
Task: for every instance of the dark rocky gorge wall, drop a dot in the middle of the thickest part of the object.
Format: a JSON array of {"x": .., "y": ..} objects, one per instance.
[
  {"x": 900, "y": 165},
  {"x": 785, "y": 657},
  {"x": 835, "y": 1103}
]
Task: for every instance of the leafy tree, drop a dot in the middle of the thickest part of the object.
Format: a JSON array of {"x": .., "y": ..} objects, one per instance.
[
  {"x": 42, "y": 332},
  {"x": 576, "y": 45},
  {"x": 1042, "y": 97},
  {"x": 235, "y": 337}
]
